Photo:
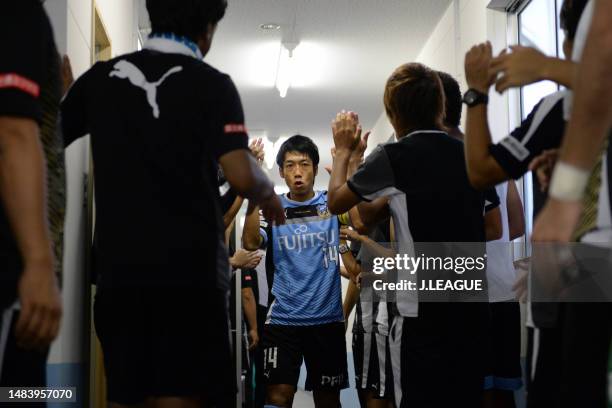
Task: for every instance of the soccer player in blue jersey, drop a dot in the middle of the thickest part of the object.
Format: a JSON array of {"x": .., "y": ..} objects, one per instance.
[{"x": 305, "y": 321}]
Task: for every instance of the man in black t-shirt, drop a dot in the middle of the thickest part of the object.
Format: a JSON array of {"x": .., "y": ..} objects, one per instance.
[
  {"x": 423, "y": 176},
  {"x": 161, "y": 122},
  {"x": 32, "y": 193}
]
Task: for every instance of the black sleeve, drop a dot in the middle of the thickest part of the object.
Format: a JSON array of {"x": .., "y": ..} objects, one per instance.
[
  {"x": 541, "y": 130},
  {"x": 247, "y": 278},
  {"x": 491, "y": 200},
  {"x": 374, "y": 178},
  {"x": 74, "y": 108},
  {"x": 24, "y": 31},
  {"x": 230, "y": 133}
]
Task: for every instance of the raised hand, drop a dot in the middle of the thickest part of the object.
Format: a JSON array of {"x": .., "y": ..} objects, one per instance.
[
  {"x": 245, "y": 259},
  {"x": 41, "y": 306},
  {"x": 477, "y": 64},
  {"x": 257, "y": 148},
  {"x": 347, "y": 234},
  {"x": 359, "y": 152},
  {"x": 523, "y": 66},
  {"x": 346, "y": 130}
]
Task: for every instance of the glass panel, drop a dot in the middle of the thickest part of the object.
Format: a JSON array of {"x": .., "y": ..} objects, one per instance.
[{"x": 538, "y": 28}]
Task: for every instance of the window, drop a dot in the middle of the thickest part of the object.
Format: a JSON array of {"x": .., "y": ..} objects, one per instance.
[{"x": 538, "y": 27}]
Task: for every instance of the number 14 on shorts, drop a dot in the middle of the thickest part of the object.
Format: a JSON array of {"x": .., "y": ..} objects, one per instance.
[{"x": 271, "y": 357}]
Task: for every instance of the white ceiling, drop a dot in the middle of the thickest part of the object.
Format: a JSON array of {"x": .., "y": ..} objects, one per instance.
[{"x": 347, "y": 50}]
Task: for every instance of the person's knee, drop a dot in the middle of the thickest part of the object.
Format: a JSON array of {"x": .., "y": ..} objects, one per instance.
[
  {"x": 326, "y": 399},
  {"x": 280, "y": 396}
]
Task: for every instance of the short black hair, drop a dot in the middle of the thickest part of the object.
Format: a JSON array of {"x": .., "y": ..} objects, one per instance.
[
  {"x": 452, "y": 118},
  {"x": 569, "y": 17},
  {"x": 301, "y": 144},
  {"x": 187, "y": 18}
]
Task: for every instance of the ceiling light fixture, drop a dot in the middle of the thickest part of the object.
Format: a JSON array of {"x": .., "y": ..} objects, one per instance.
[
  {"x": 270, "y": 26},
  {"x": 285, "y": 70}
]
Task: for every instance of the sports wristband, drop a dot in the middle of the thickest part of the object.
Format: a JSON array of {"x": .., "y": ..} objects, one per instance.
[{"x": 568, "y": 182}]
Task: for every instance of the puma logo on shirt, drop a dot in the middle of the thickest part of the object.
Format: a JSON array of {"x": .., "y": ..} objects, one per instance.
[{"x": 126, "y": 70}]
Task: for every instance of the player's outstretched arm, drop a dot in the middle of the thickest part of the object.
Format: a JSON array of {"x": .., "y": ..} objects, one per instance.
[
  {"x": 527, "y": 65},
  {"x": 586, "y": 132},
  {"x": 516, "y": 215},
  {"x": 249, "y": 181},
  {"x": 483, "y": 170},
  {"x": 347, "y": 137},
  {"x": 251, "y": 232}
]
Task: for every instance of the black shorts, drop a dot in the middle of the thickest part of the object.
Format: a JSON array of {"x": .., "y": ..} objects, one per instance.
[
  {"x": 165, "y": 342},
  {"x": 504, "y": 357},
  {"x": 321, "y": 347},
  {"x": 570, "y": 362},
  {"x": 372, "y": 359},
  {"x": 438, "y": 357}
]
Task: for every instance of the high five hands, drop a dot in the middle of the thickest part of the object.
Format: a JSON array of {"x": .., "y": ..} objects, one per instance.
[
  {"x": 347, "y": 135},
  {"x": 514, "y": 67}
]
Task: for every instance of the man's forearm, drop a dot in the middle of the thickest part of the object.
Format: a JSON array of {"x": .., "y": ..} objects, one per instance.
[
  {"x": 251, "y": 238},
  {"x": 339, "y": 172},
  {"x": 23, "y": 188},
  {"x": 262, "y": 187},
  {"x": 477, "y": 141},
  {"x": 592, "y": 113},
  {"x": 351, "y": 265},
  {"x": 376, "y": 248},
  {"x": 560, "y": 71},
  {"x": 229, "y": 216},
  {"x": 352, "y": 294},
  {"x": 249, "y": 307}
]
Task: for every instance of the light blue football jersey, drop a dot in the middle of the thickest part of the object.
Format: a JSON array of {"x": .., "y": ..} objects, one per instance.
[{"x": 306, "y": 287}]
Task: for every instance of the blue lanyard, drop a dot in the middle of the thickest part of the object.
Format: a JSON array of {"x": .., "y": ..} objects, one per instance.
[{"x": 180, "y": 39}]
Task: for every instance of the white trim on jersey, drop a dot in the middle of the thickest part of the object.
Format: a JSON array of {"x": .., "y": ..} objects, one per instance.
[
  {"x": 269, "y": 316},
  {"x": 536, "y": 351},
  {"x": 395, "y": 349},
  {"x": 367, "y": 350},
  {"x": 5, "y": 321},
  {"x": 262, "y": 280},
  {"x": 381, "y": 352},
  {"x": 407, "y": 301}
]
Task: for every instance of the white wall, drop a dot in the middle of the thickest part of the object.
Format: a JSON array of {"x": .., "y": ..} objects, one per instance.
[
  {"x": 119, "y": 17},
  {"x": 71, "y": 20},
  {"x": 464, "y": 24}
]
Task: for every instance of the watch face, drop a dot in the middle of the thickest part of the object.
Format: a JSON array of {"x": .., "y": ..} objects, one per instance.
[{"x": 470, "y": 98}]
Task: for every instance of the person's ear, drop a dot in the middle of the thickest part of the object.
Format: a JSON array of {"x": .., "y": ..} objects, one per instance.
[
  {"x": 316, "y": 170},
  {"x": 281, "y": 172},
  {"x": 210, "y": 32}
]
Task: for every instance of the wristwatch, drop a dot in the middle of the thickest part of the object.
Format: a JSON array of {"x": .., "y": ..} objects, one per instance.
[
  {"x": 343, "y": 249},
  {"x": 473, "y": 98}
]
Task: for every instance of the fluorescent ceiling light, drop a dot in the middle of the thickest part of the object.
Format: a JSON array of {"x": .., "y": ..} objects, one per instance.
[{"x": 286, "y": 68}]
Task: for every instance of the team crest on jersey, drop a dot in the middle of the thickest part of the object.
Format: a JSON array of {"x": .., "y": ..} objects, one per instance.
[{"x": 323, "y": 211}]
